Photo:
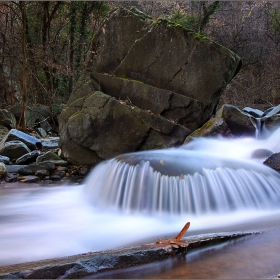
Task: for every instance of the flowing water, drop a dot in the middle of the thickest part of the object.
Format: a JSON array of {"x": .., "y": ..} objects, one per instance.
[{"x": 135, "y": 198}]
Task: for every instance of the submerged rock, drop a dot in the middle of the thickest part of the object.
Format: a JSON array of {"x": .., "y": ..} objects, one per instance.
[
  {"x": 147, "y": 85},
  {"x": 273, "y": 161}
]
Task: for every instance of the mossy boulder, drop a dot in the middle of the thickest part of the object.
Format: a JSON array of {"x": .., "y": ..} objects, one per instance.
[{"x": 147, "y": 85}]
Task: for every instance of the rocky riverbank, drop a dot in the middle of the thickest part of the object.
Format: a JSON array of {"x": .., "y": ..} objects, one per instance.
[{"x": 29, "y": 157}]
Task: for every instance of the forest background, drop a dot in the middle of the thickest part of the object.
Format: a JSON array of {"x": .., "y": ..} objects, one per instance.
[{"x": 44, "y": 45}]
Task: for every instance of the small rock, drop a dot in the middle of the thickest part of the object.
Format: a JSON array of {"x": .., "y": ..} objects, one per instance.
[
  {"x": 42, "y": 132},
  {"x": 14, "y": 149},
  {"x": 273, "y": 161},
  {"x": 48, "y": 156},
  {"x": 50, "y": 143},
  {"x": 14, "y": 168},
  {"x": 61, "y": 173},
  {"x": 3, "y": 170},
  {"x": 55, "y": 177},
  {"x": 28, "y": 158},
  {"x": 42, "y": 173},
  {"x": 11, "y": 177},
  {"x": 262, "y": 153},
  {"x": 84, "y": 170},
  {"x": 28, "y": 179},
  {"x": 62, "y": 168},
  {"x": 32, "y": 168},
  {"x": 4, "y": 159}
]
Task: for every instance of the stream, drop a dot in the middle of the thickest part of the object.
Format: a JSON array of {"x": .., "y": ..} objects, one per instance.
[{"x": 136, "y": 198}]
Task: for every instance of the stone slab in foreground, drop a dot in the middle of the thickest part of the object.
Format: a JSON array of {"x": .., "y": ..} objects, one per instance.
[{"x": 78, "y": 266}]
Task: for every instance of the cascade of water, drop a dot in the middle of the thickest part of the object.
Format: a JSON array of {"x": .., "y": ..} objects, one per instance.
[{"x": 180, "y": 181}]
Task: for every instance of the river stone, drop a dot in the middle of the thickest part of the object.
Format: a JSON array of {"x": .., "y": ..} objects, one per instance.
[
  {"x": 13, "y": 149},
  {"x": 33, "y": 168},
  {"x": 3, "y": 170},
  {"x": 4, "y": 159},
  {"x": 28, "y": 158},
  {"x": 30, "y": 141},
  {"x": 212, "y": 128},
  {"x": 42, "y": 173},
  {"x": 50, "y": 143},
  {"x": 48, "y": 156},
  {"x": 253, "y": 112},
  {"x": 42, "y": 132},
  {"x": 273, "y": 161},
  {"x": 239, "y": 122},
  {"x": 271, "y": 118},
  {"x": 147, "y": 85},
  {"x": 261, "y": 153}
]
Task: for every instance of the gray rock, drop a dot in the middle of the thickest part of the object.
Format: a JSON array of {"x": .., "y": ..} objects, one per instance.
[
  {"x": 239, "y": 122},
  {"x": 50, "y": 143},
  {"x": 261, "y": 153},
  {"x": 4, "y": 159},
  {"x": 48, "y": 156},
  {"x": 42, "y": 132},
  {"x": 212, "y": 128},
  {"x": 30, "y": 117},
  {"x": 106, "y": 127},
  {"x": 33, "y": 168},
  {"x": 253, "y": 112},
  {"x": 135, "y": 95},
  {"x": 271, "y": 118},
  {"x": 28, "y": 158},
  {"x": 43, "y": 115},
  {"x": 3, "y": 170},
  {"x": 14, "y": 149},
  {"x": 14, "y": 168},
  {"x": 273, "y": 161},
  {"x": 7, "y": 119},
  {"x": 42, "y": 173},
  {"x": 30, "y": 141}
]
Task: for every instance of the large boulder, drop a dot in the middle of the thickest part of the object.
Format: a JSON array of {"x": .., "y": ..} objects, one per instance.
[{"x": 148, "y": 84}]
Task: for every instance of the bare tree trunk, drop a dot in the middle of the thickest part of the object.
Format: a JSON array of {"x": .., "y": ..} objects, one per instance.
[{"x": 22, "y": 120}]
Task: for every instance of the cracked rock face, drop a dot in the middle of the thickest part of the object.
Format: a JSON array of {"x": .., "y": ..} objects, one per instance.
[{"x": 147, "y": 85}]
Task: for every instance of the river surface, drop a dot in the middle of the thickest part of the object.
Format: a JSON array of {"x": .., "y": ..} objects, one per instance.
[
  {"x": 39, "y": 222},
  {"x": 133, "y": 199}
]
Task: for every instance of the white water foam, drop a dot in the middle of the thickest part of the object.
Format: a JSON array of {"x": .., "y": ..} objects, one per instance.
[{"x": 46, "y": 222}]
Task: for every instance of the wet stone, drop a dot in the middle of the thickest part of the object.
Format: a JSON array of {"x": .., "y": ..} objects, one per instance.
[
  {"x": 55, "y": 177},
  {"x": 28, "y": 158},
  {"x": 28, "y": 179},
  {"x": 4, "y": 159},
  {"x": 42, "y": 173},
  {"x": 11, "y": 177}
]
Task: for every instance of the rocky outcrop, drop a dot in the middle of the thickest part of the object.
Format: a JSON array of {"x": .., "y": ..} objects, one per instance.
[
  {"x": 147, "y": 85},
  {"x": 230, "y": 121}
]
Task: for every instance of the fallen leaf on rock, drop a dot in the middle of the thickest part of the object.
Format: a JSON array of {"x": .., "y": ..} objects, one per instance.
[{"x": 172, "y": 243}]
